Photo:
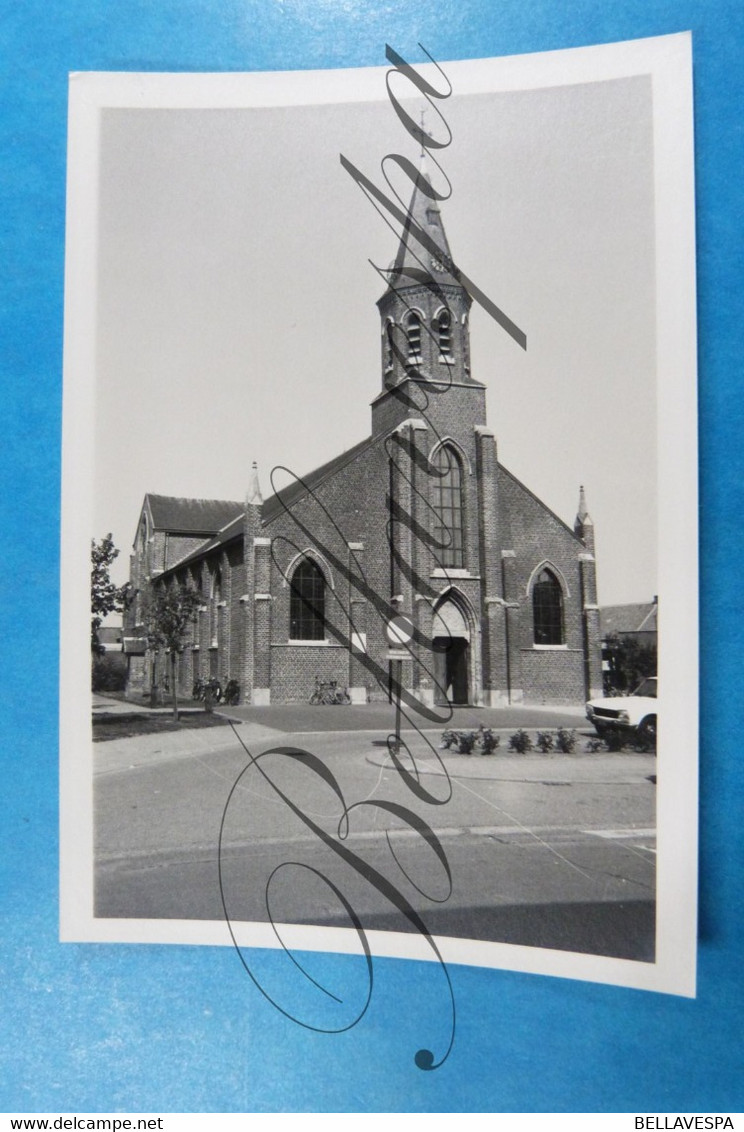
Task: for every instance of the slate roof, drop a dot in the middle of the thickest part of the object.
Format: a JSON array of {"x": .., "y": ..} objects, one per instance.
[
  {"x": 231, "y": 530},
  {"x": 639, "y": 617},
  {"x": 191, "y": 516}
]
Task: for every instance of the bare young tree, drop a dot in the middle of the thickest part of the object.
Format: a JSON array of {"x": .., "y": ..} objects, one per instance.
[{"x": 168, "y": 614}]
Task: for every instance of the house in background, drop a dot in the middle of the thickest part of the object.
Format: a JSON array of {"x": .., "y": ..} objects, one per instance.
[
  {"x": 637, "y": 621},
  {"x": 110, "y": 638},
  {"x": 110, "y": 666},
  {"x": 629, "y": 644},
  {"x": 420, "y": 518}
]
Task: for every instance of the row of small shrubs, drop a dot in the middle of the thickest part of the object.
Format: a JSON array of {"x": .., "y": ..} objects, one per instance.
[
  {"x": 484, "y": 742},
  {"x": 564, "y": 741},
  {"x": 620, "y": 741},
  {"x": 561, "y": 740},
  {"x": 466, "y": 742}
]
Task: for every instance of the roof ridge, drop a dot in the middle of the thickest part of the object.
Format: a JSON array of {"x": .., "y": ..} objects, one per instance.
[
  {"x": 192, "y": 499},
  {"x": 537, "y": 499},
  {"x": 229, "y": 523},
  {"x": 194, "y": 551},
  {"x": 314, "y": 478},
  {"x": 211, "y": 542}
]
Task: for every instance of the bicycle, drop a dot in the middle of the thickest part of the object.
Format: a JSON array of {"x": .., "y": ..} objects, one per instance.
[
  {"x": 328, "y": 692},
  {"x": 232, "y": 692},
  {"x": 211, "y": 687}
]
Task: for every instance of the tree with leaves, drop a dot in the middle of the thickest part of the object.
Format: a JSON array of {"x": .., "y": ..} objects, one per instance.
[
  {"x": 629, "y": 660},
  {"x": 169, "y": 612},
  {"x": 105, "y": 597}
]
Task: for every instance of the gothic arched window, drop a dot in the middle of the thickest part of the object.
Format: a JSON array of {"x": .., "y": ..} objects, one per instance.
[
  {"x": 447, "y": 502},
  {"x": 389, "y": 346},
  {"x": 547, "y": 609},
  {"x": 413, "y": 333},
  {"x": 444, "y": 334},
  {"x": 307, "y": 603}
]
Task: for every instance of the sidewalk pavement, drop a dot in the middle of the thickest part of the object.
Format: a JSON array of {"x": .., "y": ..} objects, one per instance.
[
  {"x": 169, "y": 746},
  {"x": 282, "y": 723},
  {"x": 552, "y": 769},
  {"x": 110, "y": 706},
  {"x": 370, "y": 745},
  {"x": 309, "y": 718}
]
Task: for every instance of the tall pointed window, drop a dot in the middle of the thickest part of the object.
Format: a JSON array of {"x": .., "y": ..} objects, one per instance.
[
  {"x": 547, "y": 609},
  {"x": 307, "y": 603},
  {"x": 413, "y": 333},
  {"x": 389, "y": 346},
  {"x": 444, "y": 333},
  {"x": 447, "y": 502}
]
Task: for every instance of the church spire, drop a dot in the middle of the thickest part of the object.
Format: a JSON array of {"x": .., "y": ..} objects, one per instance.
[
  {"x": 583, "y": 513},
  {"x": 413, "y": 256},
  {"x": 583, "y": 525},
  {"x": 253, "y": 494},
  {"x": 424, "y": 312}
]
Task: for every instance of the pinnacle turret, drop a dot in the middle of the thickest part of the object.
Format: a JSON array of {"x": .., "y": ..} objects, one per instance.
[
  {"x": 253, "y": 495},
  {"x": 583, "y": 512},
  {"x": 583, "y": 525}
]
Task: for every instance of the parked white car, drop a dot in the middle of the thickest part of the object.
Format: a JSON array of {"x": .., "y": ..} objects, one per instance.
[{"x": 633, "y": 715}]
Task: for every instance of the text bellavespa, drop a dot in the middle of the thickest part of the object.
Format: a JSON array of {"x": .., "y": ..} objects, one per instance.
[{"x": 696, "y": 1122}]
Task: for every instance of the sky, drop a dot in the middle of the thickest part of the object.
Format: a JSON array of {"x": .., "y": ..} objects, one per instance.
[{"x": 235, "y": 301}]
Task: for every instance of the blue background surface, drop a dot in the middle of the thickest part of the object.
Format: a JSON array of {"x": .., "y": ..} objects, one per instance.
[{"x": 104, "y": 1027}]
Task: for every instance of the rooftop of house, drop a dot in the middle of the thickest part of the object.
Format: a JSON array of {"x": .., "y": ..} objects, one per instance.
[{"x": 638, "y": 617}]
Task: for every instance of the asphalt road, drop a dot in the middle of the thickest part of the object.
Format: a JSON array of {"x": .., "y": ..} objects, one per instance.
[{"x": 549, "y": 851}]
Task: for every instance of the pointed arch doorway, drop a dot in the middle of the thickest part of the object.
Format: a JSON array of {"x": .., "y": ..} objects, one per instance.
[{"x": 452, "y": 663}]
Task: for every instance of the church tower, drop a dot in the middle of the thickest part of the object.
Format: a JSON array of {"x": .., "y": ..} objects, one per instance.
[
  {"x": 445, "y": 556},
  {"x": 424, "y": 316}
]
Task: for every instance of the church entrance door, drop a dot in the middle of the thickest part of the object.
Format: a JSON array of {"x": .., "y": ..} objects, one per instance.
[
  {"x": 451, "y": 670},
  {"x": 451, "y": 640}
]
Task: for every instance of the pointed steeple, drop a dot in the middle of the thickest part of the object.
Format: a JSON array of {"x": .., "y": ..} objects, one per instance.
[
  {"x": 253, "y": 494},
  {"x": 424, "y": 314},
  {"x": 423, "y": 214},
  {"x": 583, "y": 525},
  {"x": 583, "y": 512}
]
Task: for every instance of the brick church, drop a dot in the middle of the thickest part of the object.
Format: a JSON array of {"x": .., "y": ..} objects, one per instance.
[{"x": 419, "y": 519}]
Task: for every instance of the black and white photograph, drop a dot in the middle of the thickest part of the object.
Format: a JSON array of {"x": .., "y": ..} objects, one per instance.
[{"x": 379, "y": 451}]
